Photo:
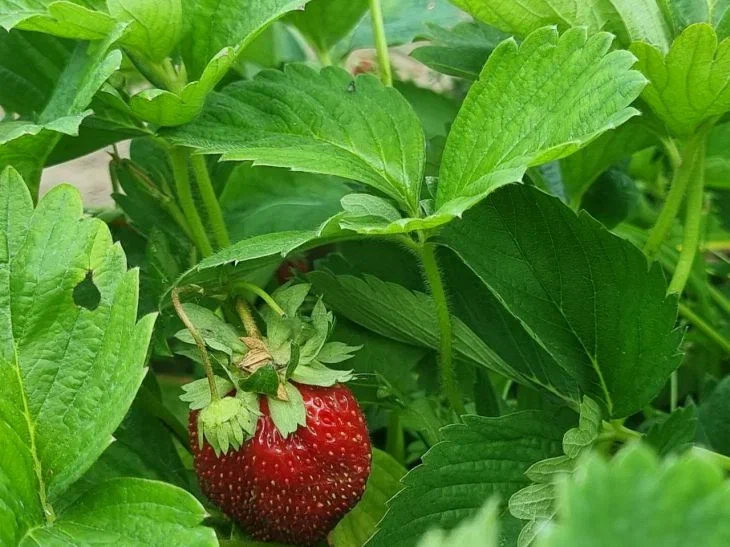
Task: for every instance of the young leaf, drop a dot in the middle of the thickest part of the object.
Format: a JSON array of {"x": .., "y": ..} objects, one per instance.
[
  {"x": 155, "y": 26},
  {"x": 53, "y": 424},
  {"x": 630, "y": 20},
  {"x": 325, "y": 22},
  {"x": 691, "y": 83},
  {"x": 64, "y": 18},
  {"x": 359, "y": 524},
  {"x": 478, "y": 531},
  {"x": 26, "y": 145},
  {"x": 534, "y": 103},
  {"x": 578, "y": 439},
  {"x": 682, "y": 501},
  {"x": 477, "y": 459},
  {"x": 323, "y": 122},
  {"x": 141, "y": 511},
  {"x": 587, "y": 296}
]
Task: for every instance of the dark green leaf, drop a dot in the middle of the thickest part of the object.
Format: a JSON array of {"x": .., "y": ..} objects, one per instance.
[
  {"x": 675, "y": 433},
  {"x": 714, "y": 415},
  {"x": 325, "y": 22}
]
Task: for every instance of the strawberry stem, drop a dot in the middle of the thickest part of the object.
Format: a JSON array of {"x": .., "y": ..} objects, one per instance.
[
  {"x": 249, "y": 323},
  {"x": 266, "y": 297},
  {"x": 198, "y": 342}
]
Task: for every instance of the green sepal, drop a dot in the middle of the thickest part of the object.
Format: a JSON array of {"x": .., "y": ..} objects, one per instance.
[
  {"x": 197, "y": 393},
  {"x": 228, "y": 422},
  {"x": 265, "y": 380},
  {"x": 293, "y": 360},
  {"x": 316, "y": 374},
  {"x": 290, "y": 414}
]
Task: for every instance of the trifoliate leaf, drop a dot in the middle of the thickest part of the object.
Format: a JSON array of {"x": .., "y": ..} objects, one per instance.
[
  {"x": 316, "y": 374},
  {"x": 264, "y": 380},
  {"x": 336, "y": 352},
  {"x": 288, "y": 415},
  {"x": 227, "y": 423},
  {"x": 197, "y": 393},
  {"x": 579, "y": 438},
  {"x": 691, "y": 83}
]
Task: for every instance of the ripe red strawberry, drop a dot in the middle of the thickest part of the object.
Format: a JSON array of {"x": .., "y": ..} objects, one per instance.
[
  {"x": 289, "y": 268},
  {"x": 292, "y": 490}
]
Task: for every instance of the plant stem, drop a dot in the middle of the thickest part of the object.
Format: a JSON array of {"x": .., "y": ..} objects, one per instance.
[
  {"x": 673, "y": 391},
  {"x": 210, "y": 200},
  {"x": 198, "y": 342},
  {"x": 692, "y": 224},
  {"x": 266, "y": 297},
  {"x": 720, "y": 299},
  {"x": 187, "y": 203},
  {"x": 704, "y": 327},
  {"x": 381, "y": 43},
  {"x": 682, "y": 175},
  {"x": 249, "y": 323},
  {"x": 433, "y": 276},
  {"x": 324, "y": 56}
]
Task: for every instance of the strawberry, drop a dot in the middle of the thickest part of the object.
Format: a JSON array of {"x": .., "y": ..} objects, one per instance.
[
  {"x": 288, "y": 269},
  {"x": 291, "y": 489}
]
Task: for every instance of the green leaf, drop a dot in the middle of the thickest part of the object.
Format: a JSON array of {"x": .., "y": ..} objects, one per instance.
[
  {"x": 578, "y": 439},
  {"x": 587, "y": 296},
  {"x": 559, "y": 92},
  {"x": 325, "y": 22},
  {"x": 477, "y": 459},
  {"x": 217, "y": 24},
  {"x": 478, "y": 531},
  {"x": 197, "y": 393},
  {"x": 216, "y": 333},
  {"x": 714, "y": 415},
  {"x": 684, "y": 13},
  {"x": 264, "y": 380},
  {"x": 64, "y": 18},
  {"x": 674, "y": 434},
  {"x": 316, "y": 374},
  {"x": 27, "y": 147},
  {"x": 155, "y": 26},
  {"x": 68, "y": 373},
  {"x": 635, "y": 499},
  {"x": 336, "y": 352},
  {"x": 630, "y": 20},
  {"x": 613, "y": 198},
  {"x": 460, "y": 51},
  {"x": 691, "y": 83},
  {"x": 397, "y": 313},
  {"x": 435, "y": 110},
  {"x": 326, "y": 122},
  {"x": 717, "y": 162},
  {"x": 261, "y": 200},
  {"x": 288, "y": 415},
  {"x": 383, "y": 483},
  {"x": 131, "y": 511},
  {"x": 165, "y": 108},
  {"x": 406, "y": 20}
]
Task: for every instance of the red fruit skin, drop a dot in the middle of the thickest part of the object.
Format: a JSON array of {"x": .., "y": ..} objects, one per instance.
[
  {"x": 292, "y": 490},
  {"x": 289, "y": 268}
]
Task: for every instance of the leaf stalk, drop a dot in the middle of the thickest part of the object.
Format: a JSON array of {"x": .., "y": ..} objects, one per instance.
[
  {"x": 381, "y": 42},
  {"x": 210, "y": 200}
]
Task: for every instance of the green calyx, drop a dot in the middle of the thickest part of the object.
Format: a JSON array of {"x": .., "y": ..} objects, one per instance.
[{"x": 228, "y": 422}]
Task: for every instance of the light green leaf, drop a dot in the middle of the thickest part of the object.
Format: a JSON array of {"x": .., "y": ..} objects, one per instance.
[
  {"x": 336, "y": 352},
  {"x": 397, "y": 313},
  {"x": 217, "y": 333},
  {"x": 477, "y": 459},
  {"x": 64, "y": 18},
  {"x": 218, "y": 24},
  {"x": 383, "y": 483},
  {"x": 288, "y": 415},
  {"x": 534, "y": 502},
  {"x": 326, "y": 122},
  {"x": 635, "y": 499},
  {"x": 586, "y": 296},
  {"x": 630, "y": 20},
  {"x": 689, "y": 85},
  {"x": 128, "y": 511},
  {"x": 261, "y": 200},
  {"x": 27, "y": 149},
  {"x": 580, "y": 438},
  {"x": 325, "y": 22},
  {"x": 155, "y": 26},
  {"x": 69, "y": 373},
  {"x": 535, "y": 103},
  {"x": 165, "y": 108},
  {"x": 197, "y": 393},
  {"x": 546, "y": 471},
  {"x": 316, "y": 374},
  {"x": 461, "y": 51},
  {"x": 478, "y": 531}
]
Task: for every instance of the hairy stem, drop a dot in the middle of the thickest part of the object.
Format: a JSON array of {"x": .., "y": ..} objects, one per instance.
[
  {"x": 187, "y": 203},
  {"x": 210, "y": 200},
  {"x": 446, "y": 358},
  {"x": 198, "y": 342},
  {"x": 266, "y": 297},
  {"x": 682, "y": 175},
  {"x": 692, "y": 224},
  {"x": 704, "y": 327},
  {"x": 381, "y": 43},
  {"x": 247, "y": 318}
]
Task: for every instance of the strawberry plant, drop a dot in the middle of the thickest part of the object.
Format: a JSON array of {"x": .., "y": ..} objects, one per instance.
[{"x": 377, "y": 273}]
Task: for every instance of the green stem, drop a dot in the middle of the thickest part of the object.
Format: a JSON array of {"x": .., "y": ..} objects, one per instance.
[
  {"x": 704, "y": 327},
  {"x": 325, "y": 57},
  {"x": 720, "y": 299},
  {"x": 381, "y": 43},
  {"x": 446, "y": 362},
  {"x": 187, "y": 203},
  {"x": 673, "y": 391},
  {"x": 394, "y": 440},
  {"x": 247, "y": 318},
  {"x": 692, "y": 224},
  {"x": 210, "y": 200},
  {"x": 198, "y": 342},
  {"x": 266, "y": 297},
  {"x": 682, "y": 175}
]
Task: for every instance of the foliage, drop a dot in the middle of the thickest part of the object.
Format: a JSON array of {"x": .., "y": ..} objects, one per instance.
[{"x": 518, "y": 259}]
